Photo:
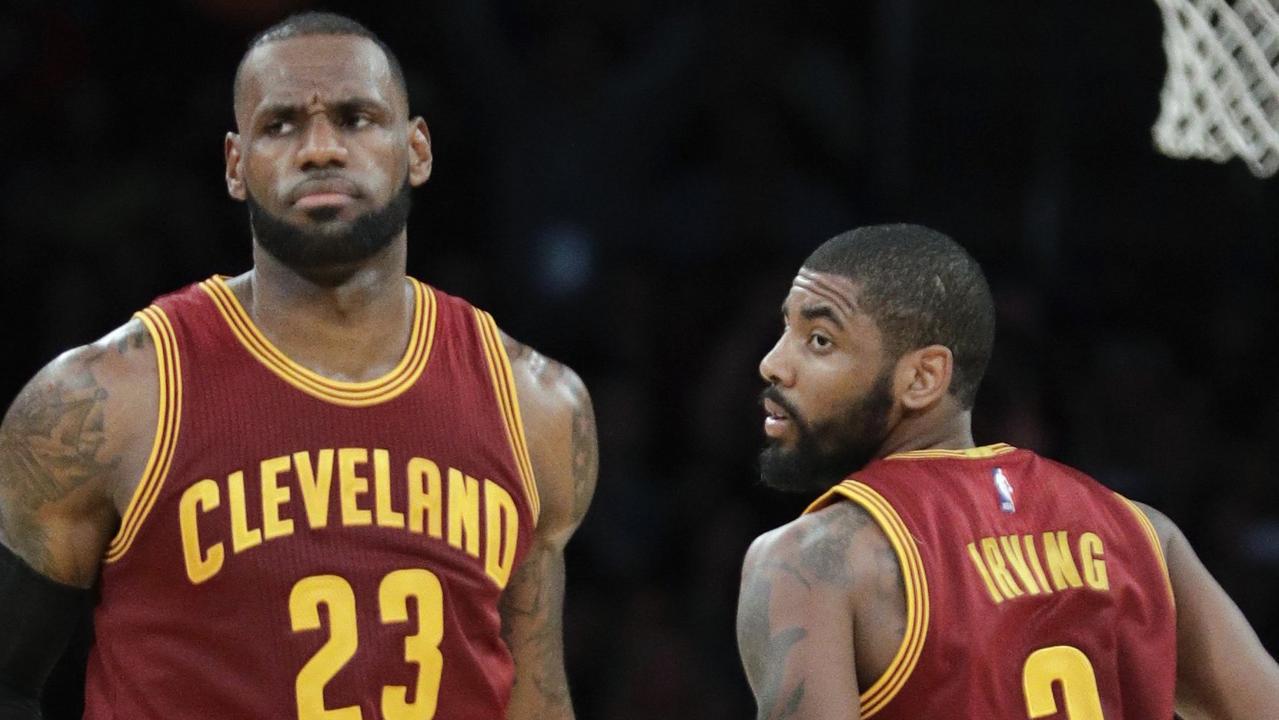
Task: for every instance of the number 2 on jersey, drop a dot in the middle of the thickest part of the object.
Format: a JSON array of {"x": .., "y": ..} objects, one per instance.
[
  {"x": 421, "y": 648},
  {"x": 1070, "y": 667}
]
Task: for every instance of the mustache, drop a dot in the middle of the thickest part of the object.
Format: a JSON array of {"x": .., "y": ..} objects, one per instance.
[{"x": 772, "y": 393}]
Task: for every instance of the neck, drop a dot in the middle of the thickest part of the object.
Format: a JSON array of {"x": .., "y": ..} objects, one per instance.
[
  {"x": 339, "y": 293},
  {"x": 347, "y": 323},
  {"x": 939, "y": 428}
]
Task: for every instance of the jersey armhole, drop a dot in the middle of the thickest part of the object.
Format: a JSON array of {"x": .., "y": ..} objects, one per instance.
[
  {"x": 499, "y": 366},
  {"x": 884, "y": 689},
  {"x": 1156, "y": 544},
  {"x": 169, "y": 415}
]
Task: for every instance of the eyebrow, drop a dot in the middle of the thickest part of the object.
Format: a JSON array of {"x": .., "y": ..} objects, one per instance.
[
  {"x": 814, "y": 312},
  {"x": 344, "y": 105}
]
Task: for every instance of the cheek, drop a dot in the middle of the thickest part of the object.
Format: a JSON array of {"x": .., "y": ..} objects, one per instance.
[
  {"x": 386, "y": 158},
  {"x": 262, "y": 177},
  {"x": 830, "y": 391}
]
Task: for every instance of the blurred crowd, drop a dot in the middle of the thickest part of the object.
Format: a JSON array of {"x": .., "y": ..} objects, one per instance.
[{"x": 630, "y": 186}]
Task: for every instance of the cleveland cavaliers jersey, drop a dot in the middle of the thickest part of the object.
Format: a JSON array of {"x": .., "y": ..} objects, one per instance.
[
  {"x": 1031, "y": 591},
  {"x": 306, "y": 548}
]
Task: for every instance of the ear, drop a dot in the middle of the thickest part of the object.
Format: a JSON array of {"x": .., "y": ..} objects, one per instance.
[
  {"x": 419, "y": 151},
  {"x": 924, "y": 376},
  {"x": 234, "y": 167}
]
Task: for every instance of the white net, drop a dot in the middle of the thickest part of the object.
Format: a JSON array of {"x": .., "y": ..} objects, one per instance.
[{"x": 1221, "y": 96}]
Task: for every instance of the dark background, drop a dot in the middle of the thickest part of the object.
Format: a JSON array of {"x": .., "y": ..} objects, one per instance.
[{"x": 630, "y": 186}]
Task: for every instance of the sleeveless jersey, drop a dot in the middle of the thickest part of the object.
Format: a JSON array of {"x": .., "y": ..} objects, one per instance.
[
  {"x": 1031, "y": 591},
  {"x": 301, "y": 547}
]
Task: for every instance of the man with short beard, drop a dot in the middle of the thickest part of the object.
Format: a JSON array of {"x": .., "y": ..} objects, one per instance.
[
  {"x": 936, "y": 579},
  {"x": 319, "y": 489}
]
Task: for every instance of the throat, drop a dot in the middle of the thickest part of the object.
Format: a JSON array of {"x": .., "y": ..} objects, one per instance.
[{"x": 346, "y": 334}]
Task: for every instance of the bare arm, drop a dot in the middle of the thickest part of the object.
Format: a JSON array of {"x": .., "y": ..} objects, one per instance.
[
  {"x": 69, "y": 436},
  {"x": 63, "y": 443},
  {"x": 560, "y": 427},
  {"x": 795, "y": 615},
  {"x": 1223, "y": 672}
]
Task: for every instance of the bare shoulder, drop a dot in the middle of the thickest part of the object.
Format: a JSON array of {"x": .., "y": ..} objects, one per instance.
[
  {"x": 836, "y": 545},
  {"x": 559, "y": 424},
  {"x": 801, "y": 587},
  {"x": 1167, "y": 530},
  {"x": 67, "y": 441}
]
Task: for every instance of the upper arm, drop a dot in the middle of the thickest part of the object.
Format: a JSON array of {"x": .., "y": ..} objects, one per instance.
[
  {"x": 559, "y": 426},
  {"x": 1222, "y": 669},
  {"x": 795, "y": 616},
  {"x": 65, "y": 442}
]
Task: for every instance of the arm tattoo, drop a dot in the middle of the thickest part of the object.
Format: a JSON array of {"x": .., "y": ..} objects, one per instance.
[
  {"x": 586, "y": 458},
  {"x": 822, "y": 558},
  {"x": 825, "y": 558},
  {"x": 50, "y": 446},
  {"x": 765, "y": 652},
  {"x": 532, "y": 626},
  {"x": 532, "y": 605},
  {"x": 133, "y": 337}
]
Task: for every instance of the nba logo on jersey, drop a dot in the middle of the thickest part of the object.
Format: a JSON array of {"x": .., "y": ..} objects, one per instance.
[{"x": 1005, "y": 491}]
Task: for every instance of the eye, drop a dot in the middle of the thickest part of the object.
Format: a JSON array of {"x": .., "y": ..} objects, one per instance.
[
  {"x": 276, "y": 128},
  {"x": 819, "y": 341},
  {"x": 356, "y": 121}
]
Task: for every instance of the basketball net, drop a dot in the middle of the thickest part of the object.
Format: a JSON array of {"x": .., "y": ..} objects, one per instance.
[{"x": 1221, "y": 95}]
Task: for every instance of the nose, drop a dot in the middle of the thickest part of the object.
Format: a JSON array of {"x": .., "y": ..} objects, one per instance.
[
  {"x": 321, "y": 145},
  {"x": 774, "y": 369}
]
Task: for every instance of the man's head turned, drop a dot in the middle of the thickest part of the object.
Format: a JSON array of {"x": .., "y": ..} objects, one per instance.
[
  {"x": 888, "y": 331},
  {"x": 921, "y": 288}
]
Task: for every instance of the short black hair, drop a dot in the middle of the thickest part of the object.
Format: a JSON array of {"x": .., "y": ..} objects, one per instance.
[
  {"x": 921, "y": 288},
  {"x": 320, "y": 23}
]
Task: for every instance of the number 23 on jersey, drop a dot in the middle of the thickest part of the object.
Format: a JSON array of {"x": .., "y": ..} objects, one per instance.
[{"x": 421, "y": 648}]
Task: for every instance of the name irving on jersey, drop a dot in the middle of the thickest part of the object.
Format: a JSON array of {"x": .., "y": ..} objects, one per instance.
[
  {"x": 445, "y": 506},
  {"x": 1008, "y": 572}
]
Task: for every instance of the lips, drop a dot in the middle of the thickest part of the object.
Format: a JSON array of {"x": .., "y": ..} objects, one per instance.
[
  {"x": 325, "y": 191},
  {"x": 778, "y": 421},
  {"x": 775, "y": 410}
]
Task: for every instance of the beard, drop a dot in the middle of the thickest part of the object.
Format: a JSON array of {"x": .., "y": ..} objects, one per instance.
[
  {"x": 317, "y": 251},
  {"x": 826, "y": 453}
]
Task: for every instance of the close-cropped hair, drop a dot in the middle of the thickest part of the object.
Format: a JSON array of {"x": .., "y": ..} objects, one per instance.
[
  {"x": 921, "y": 288},
  {"x": 320, "y": 23}
]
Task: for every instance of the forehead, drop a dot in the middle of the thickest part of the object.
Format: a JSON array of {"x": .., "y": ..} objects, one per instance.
[
  {"x": 331, "y": 66},
  {"x": 811, "y": 288}
]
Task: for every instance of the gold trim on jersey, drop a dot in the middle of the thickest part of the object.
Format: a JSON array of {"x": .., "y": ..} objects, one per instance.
[
  {"x": 509, "y": 403},
  {"x": 1153, "y": 536},
  {"x": 168, "y": 419},
  {"x": 883, "y": 690},
  {"x": 346, "y": 394},
  {"x": 976, "y": 453}
]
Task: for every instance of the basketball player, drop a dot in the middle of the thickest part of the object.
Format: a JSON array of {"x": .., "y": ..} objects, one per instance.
[
  {"x": 936, "y": 579},
  {"x": 320, "y": 489}
]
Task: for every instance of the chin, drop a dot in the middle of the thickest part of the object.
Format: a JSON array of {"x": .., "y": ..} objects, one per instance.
[{"x": 792, "y": 470}]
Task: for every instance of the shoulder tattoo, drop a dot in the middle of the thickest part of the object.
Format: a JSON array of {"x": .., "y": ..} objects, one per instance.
[{"x": 51, "y": 445}]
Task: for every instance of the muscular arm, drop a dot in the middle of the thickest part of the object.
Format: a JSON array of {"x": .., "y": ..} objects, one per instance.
[
  {"x": 1222, "y": 669},
  {"x": 63, "y": 445},
  {"x": 560, "y": 427},
  {"x": 801, "y": 585}
]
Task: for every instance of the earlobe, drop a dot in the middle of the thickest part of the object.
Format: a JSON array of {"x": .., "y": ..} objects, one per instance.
[
  {"x": 929, "y": 371},
  {"x": 420, "y": 158},
  {"x": 234, "y": 170}
]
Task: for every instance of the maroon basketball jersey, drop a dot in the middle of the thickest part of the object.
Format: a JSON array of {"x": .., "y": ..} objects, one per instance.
[
  {"x": 1031, "y": 591},
  {"x": 306, "y": 548}
]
